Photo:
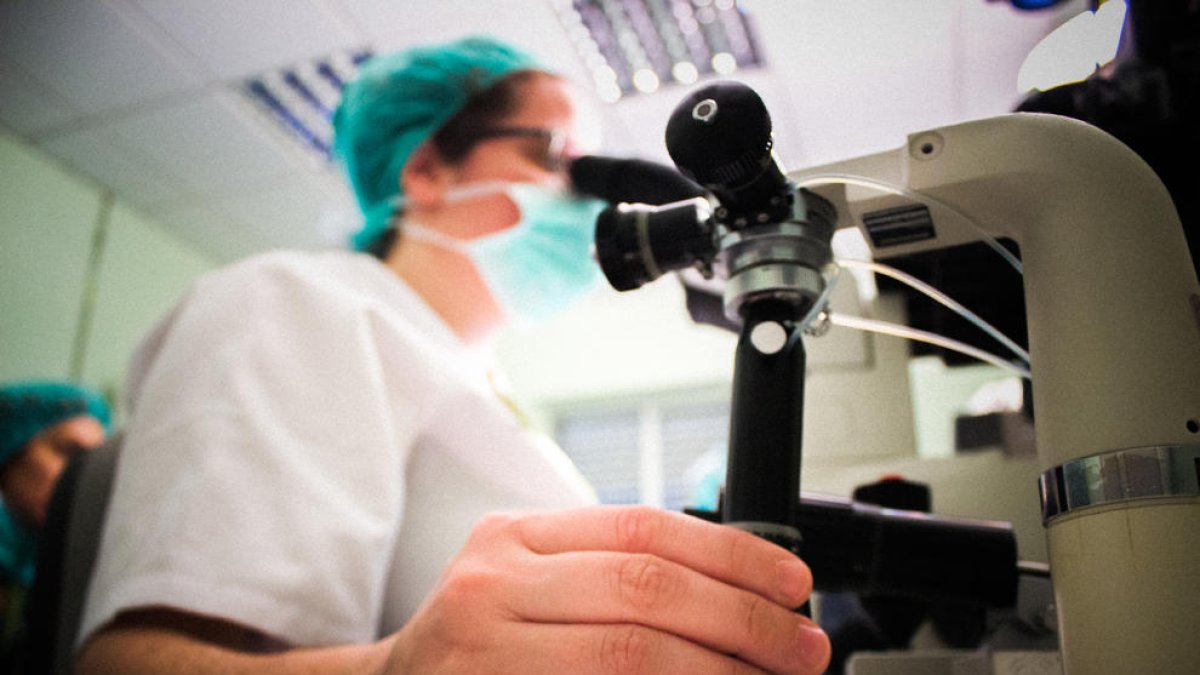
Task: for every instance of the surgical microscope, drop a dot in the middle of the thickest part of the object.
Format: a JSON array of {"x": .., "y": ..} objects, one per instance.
[{"x": 1113, "y": 311}]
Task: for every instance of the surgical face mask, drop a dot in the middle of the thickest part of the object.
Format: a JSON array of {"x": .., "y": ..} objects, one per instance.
[{"x": 538, "y": 267}]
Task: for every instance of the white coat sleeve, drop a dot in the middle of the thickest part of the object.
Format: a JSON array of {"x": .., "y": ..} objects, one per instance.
[{"x": 262, "y": 476}]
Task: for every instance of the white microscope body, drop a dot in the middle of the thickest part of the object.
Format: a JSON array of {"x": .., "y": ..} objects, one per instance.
[{"x": 1113, "y": 310}]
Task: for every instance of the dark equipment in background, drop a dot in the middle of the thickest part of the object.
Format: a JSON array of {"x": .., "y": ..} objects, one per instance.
[
  {"x": 867, "y": 620},
  {"x": 858, "y": 621},
  {"x": 1149, "y": 99}
]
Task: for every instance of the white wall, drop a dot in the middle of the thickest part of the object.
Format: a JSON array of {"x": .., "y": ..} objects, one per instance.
[
  {"x": 48, "y": 221},
  {"x": 641, "y": 343}
]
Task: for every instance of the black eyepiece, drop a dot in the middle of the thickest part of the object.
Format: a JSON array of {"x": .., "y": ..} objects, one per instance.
[
  {"x": 637, "y": 243},
  {"x": 720, "y": 136}
]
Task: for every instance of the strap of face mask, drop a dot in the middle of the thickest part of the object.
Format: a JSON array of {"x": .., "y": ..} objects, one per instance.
[
  {"x": 436, "y": 237},
  {"x": 461, "y": 193},
  {"x": 471, "y": 191},
  {"x": 456, "y": 194}
]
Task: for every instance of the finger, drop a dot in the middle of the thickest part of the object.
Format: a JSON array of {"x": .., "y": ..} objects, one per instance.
[
  {"x": 621, "y": 588},
  {"x": 731, "y": 555},
  {"x": 75, "y": 433},
  {"x": 603, "y": 649}
]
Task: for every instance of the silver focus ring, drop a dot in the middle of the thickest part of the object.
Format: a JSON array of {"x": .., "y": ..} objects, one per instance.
[
  {"x": 642, "y": 222},
  {"x": 1120, "y": 476}
]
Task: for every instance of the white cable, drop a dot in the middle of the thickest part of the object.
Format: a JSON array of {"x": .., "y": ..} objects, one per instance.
[
  {"x": 898, "y": 330},
  {"x": 940, "y": 297},
  {"x": 833, "y": 273},
  {"x": 916, "y": 196}
]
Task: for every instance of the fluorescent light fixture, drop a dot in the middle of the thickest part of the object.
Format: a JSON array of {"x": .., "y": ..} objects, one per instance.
[
  {"x": 646, "y": 80},
  {"x": 638, "y": 46},
  {"x": 300, "y": 99},
  {"x": 1074, "y": 50},
  {"x": 685, "y": 72}
]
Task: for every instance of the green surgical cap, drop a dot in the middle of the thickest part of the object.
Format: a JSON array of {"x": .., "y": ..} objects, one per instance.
[
  {"x": 397, "y": 101},
  {"x": 28, "y": 408}
]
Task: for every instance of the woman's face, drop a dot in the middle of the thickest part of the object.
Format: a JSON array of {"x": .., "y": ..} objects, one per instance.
[
  {"x": 547, "y": 127},
  {"x": 527, "y": 146}
]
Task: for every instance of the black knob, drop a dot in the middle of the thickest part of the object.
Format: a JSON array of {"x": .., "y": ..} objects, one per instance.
[{"x": 720, "y": 136}]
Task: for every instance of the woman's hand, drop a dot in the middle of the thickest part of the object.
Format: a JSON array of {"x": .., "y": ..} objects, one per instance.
[{"x": 614, "y": 590}]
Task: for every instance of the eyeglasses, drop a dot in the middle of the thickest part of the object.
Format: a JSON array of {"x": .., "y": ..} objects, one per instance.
[{"x": 550, "y": 151}]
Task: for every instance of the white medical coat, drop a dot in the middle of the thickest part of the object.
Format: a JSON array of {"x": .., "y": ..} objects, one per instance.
[{"x": 308, "y": 445}]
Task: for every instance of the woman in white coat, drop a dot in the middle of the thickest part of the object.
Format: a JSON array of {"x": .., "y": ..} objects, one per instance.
[{"x": 316, "y": 457}]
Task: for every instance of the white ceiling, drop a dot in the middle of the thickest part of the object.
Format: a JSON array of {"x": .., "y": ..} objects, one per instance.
[{"x": 142, "y": 96}]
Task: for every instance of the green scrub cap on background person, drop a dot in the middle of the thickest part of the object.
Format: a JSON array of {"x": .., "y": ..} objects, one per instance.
[
  {"x": 28, "y": 408},
  {"x": 398, "y": 101}
]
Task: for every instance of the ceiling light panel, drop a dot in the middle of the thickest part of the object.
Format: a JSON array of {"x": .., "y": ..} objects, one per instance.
[
  {"x": 301, "y": 99},
  {"x": 234, "y": 39},
  {"x": 637, "y": 46},
  {"x": 91, "y": 55}
]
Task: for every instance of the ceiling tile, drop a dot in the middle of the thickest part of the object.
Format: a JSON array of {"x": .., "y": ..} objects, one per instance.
[
  {"x": 28, "y": 109},
  {"x": 532, "y": 24},
  {"x": 302, "y": 209},
  {"x": 884, "y": 71},
  {"x": 104, "y": 157},
  {"x": 89, "y": 54},
  {"x": 237, "y": 39},
  {"x": 211, "y": 231},
  {"x": 211, "y": 142}
]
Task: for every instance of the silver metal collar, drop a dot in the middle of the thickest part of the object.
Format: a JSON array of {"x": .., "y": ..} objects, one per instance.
[{"x": 1120, "y": 476}]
